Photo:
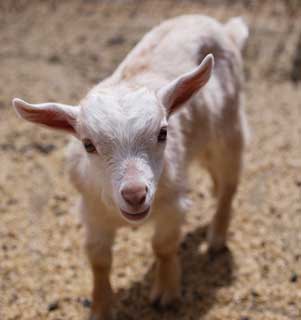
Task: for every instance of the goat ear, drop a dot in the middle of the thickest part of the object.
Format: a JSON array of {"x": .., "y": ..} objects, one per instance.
[
  {"x": 53, "y": 115},
  {"x": 177, "y": 92}
]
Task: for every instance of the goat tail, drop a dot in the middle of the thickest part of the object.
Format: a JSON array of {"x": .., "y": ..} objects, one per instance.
[{"x": 238, "y": 31}]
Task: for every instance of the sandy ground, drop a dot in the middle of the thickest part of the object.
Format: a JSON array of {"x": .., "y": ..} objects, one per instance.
[{"x": 56, "y": 51}]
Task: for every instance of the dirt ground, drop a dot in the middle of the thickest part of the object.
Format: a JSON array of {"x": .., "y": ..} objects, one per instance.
[{"x": 56, "y": 50}]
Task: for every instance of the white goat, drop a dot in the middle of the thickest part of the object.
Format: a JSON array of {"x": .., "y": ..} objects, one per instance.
[{"x": 122, "y": 154}]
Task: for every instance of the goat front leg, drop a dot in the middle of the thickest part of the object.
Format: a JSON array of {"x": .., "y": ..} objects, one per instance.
[
  {"x": 166, "y": 239},
  {"x": 98, "y": 247}
]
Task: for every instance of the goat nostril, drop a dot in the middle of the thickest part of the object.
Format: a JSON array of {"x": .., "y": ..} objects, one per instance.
[{"x": 142, "y": 200}]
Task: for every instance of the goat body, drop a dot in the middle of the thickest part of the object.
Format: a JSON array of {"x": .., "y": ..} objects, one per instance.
[{"x": 120, "y": 160}]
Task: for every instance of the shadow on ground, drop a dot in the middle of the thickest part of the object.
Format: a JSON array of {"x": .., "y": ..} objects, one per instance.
[{"x": 199, "y": 295}]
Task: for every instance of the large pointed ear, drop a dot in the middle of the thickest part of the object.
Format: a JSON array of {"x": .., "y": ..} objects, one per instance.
[
  {"x": 53, "y": 115},
  {"x": 177, "y": 92}
]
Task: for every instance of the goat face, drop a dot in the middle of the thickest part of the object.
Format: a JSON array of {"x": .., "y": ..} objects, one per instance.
[{"x": 125, "y": 141}]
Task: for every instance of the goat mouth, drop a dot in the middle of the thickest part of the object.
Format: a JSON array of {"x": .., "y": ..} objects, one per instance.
[{"x": 135, "y": 216}]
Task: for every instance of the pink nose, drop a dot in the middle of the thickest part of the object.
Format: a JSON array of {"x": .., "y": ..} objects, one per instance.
[{"x": 134, "y": 193}]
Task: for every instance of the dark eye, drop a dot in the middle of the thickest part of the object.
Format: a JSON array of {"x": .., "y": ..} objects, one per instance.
[
  {"x": 162, "y": 135},
  {"x": 89, "y": 146}
]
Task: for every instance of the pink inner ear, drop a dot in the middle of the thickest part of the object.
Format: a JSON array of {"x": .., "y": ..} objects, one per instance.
[
  {"x": 186, "y": 88},
  {"x": 50, "y": 118}
]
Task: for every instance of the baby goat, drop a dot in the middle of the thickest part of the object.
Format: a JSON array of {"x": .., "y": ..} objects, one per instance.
[{"x": 136, "y": 133}]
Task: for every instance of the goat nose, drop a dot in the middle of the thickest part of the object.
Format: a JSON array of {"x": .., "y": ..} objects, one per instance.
[{"x": 134, "y": 194}]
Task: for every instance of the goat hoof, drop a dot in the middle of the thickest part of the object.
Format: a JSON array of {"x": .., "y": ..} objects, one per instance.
[
  {"x": 165, "y": 298},
  {"x": 217, "y": 251}
]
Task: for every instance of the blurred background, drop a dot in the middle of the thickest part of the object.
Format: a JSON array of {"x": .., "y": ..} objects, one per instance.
[{"x": 57, "y": 50}]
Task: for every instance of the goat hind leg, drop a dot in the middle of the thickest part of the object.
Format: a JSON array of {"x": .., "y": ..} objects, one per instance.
[{"x": 227, "y": 173}]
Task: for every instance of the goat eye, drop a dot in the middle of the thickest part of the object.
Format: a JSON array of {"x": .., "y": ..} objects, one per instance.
[
  {"x": 162, "y": 135},
  {"x": 89, "y": 146}
]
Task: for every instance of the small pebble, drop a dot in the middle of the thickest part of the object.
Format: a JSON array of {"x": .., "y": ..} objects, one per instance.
[
  {"x": 12, "y": 201},
  {"x": 255, "y": 294},
  {"x": 272, "y": 210},
  {"x": 94, "y": 57},
  {"x": 298, "y": 183},
  {"x": 86, "y": 303},
  {"x": 60, "y": 197},
  {"x": 53, "y": 306},
  {"x": 116, "y": 40},
  {"x": 54, "y": 59},
  {"x": 7, "y": 146},
  {"x": 245, "y": 318},
  {"x": 44, "y": 148},
  {"x": 294, "y": 277}
]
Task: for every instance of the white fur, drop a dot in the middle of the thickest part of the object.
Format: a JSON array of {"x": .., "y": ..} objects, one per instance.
[
  {"x": 123, "y": 115},
  {"x": 238, "y": 31}
]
